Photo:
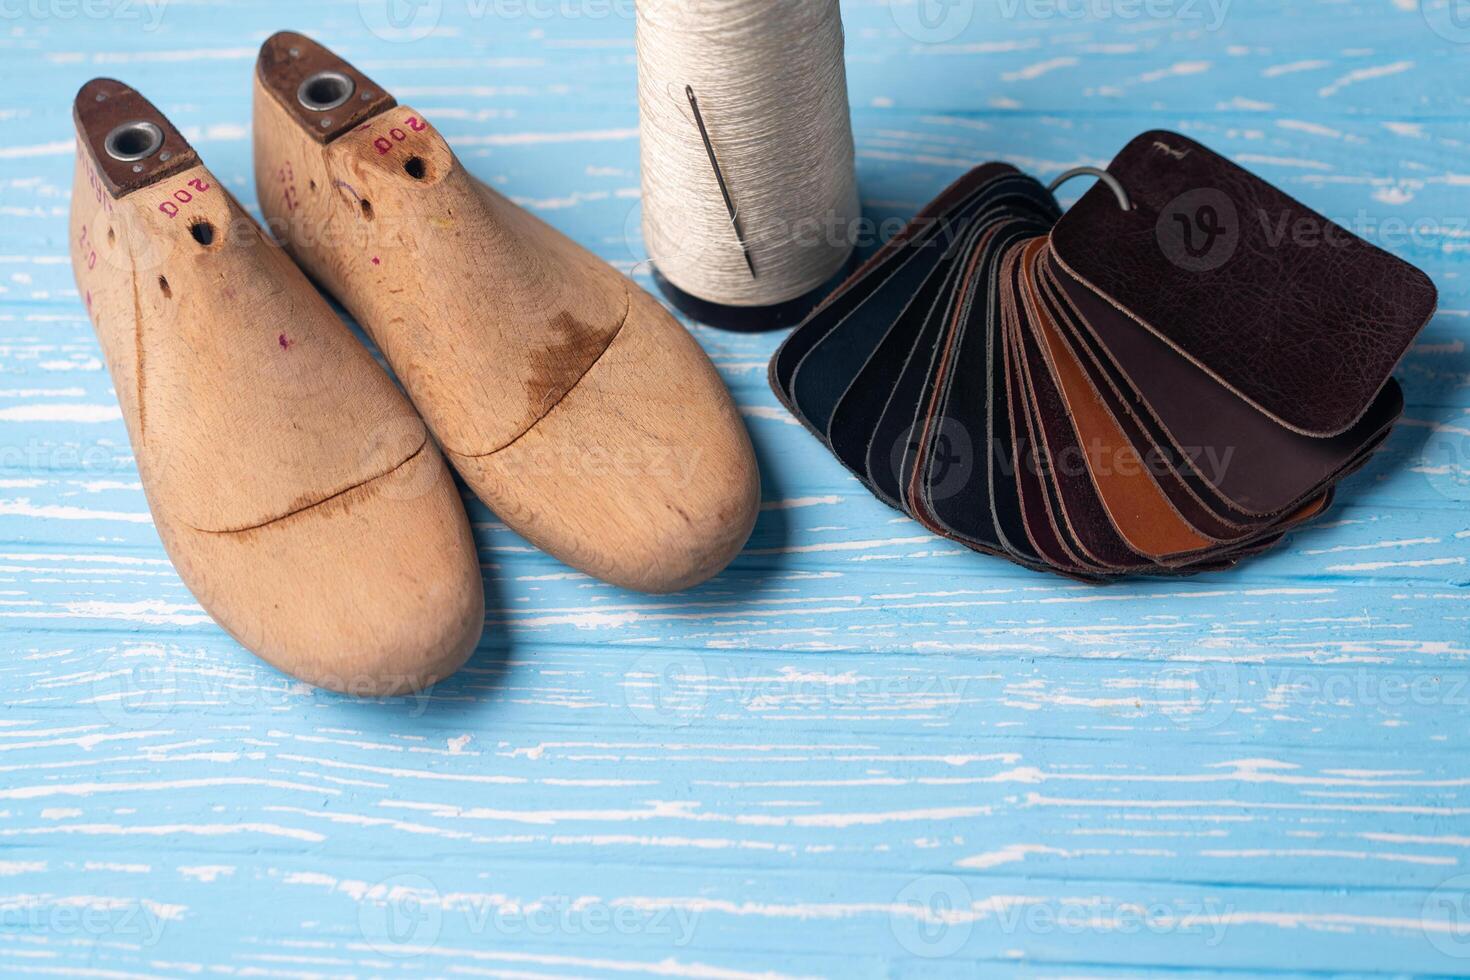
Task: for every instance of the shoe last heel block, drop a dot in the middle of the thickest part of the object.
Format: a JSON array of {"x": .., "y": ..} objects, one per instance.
[
  {"x": 570, "y": 401},
  {"x": 295, "y": 489}
]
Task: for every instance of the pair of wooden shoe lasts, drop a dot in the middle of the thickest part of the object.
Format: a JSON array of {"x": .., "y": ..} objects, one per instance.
[{"x": 302, "y": 498}]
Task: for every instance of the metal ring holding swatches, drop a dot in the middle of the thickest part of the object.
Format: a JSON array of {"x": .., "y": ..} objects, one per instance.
[{"x": 1124, "y": 201}]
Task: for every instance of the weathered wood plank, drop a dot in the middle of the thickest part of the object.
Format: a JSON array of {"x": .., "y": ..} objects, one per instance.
[{"x": 861, "y": 751}]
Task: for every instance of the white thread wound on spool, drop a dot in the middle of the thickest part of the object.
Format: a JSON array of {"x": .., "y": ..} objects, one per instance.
[{"x": 772, "y": 89}]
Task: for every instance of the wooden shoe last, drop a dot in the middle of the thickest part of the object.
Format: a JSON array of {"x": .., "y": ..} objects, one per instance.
[
  {"x": 294, "y": 487},
  {"x": 570, "y": 401}
]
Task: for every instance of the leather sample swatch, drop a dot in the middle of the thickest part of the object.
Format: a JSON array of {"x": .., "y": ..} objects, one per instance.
[
  {"x": 1241, "y": 280},
  {"x": 1164, "y": 388}
]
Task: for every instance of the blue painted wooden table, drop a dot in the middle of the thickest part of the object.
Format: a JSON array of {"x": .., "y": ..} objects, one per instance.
[{"x": 860, "y": 752}]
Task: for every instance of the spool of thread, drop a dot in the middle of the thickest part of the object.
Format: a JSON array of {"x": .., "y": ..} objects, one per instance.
[{"x": 743, "y": 110}]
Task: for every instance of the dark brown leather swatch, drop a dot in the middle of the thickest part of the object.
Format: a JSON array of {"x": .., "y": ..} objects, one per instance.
[
  {"x": 1295, "y": 314},
  {"x": 1255, "y": 463}
]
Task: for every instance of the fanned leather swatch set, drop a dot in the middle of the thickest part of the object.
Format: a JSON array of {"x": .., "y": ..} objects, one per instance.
[{"x": 1163, "y": 380}]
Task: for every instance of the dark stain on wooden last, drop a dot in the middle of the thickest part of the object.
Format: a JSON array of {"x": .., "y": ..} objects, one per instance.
[{"x": 567, "y": 351}]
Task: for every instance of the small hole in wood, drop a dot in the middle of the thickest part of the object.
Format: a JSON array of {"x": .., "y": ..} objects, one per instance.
[
  {"x": 111, "y": 237},
  {"x": 163, "y": 285},
  {"x": 415, "y": 168},
  {"x": 367, "y": 208},
  {"x": 203, "y": 232},
  {"x": 325, "y": 90},
  {"x": 311, "y": 184},
  {"x": 136, "y": 140}
]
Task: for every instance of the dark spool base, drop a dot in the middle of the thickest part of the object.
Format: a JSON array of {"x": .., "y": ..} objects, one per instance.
[{"x": 749, "y": 319}]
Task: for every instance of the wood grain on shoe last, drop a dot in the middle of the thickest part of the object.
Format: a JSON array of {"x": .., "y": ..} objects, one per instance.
[
  {"x": 296, "y": 490},
  {"x": 570, "y": 401}
]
